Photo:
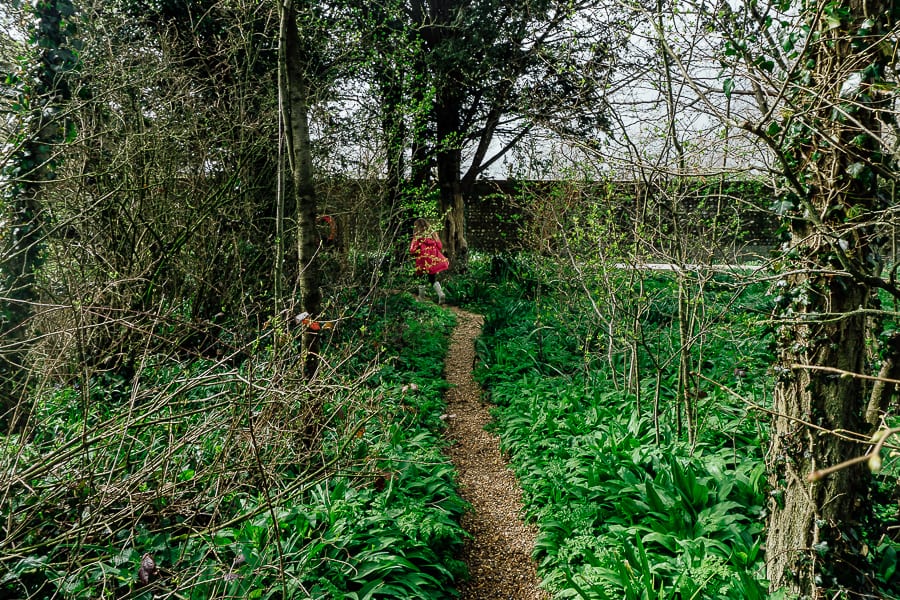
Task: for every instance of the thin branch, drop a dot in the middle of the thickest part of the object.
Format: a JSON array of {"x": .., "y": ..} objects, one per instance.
[{"x": 845, "y": 374}]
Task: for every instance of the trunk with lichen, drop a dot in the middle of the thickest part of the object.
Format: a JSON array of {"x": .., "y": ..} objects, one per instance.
[
  {"x": 454, "y": 210},
  {"x": 815, "y": 544}
]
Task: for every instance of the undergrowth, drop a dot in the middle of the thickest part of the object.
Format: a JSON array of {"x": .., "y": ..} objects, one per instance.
[
  {"x": 628, "y": 505},
  {"x": 203, "y": 479},
  {"x": 626, "y": 508},
  {"x": 212, "y": 478}
]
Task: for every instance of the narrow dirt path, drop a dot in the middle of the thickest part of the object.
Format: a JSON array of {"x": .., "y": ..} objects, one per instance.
[{"x": 499, "y": 554}]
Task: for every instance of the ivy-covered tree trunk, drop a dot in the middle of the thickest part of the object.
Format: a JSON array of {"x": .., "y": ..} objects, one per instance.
[
  {"x": 831, "y": 158},
  {"x": 814, "y": 528},
  {"x": 303, "y": 186},
  {"x": 41, "y": 91}
]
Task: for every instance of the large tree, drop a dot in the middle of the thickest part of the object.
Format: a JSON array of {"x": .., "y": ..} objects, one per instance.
[
  {"x": 834, "y": 154},
  {"x": 476, "y": 78},
  {"x": 821, "y": 76},
  {"x": 40, "y": 90}
]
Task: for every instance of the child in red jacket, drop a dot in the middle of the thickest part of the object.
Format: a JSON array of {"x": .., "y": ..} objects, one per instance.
[{"x": 427, "y": 248}]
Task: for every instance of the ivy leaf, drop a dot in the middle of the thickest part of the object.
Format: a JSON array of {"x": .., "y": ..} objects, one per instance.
[
  {"x": 789, "y": 42},
  {"x": 65, "y": 9},
  {"x": 850, "y": 87},
  {"x": 832, "y": 21},
  {"x": 773, "y": 129},
  {"x": 857, "y": 170},
  {"x": 728, "y": 87},
  {"x": 71, "y": 133},
  {"x": 782, "y": 206}
]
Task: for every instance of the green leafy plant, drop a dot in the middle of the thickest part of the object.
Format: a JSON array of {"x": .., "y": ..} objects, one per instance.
[
  {"x": 201, "y": 479},
  {"x": 627, "y": 508}
]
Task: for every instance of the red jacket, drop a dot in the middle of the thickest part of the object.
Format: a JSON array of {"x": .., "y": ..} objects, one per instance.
[{"x": 429, "y": 258}]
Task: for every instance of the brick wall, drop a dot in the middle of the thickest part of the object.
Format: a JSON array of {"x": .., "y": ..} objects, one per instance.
[{"x": 505, "y": 215}]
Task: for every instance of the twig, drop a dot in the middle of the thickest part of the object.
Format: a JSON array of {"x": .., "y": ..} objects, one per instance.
[
  {"x": 840, "y": 433},
  {"x": 844, "y": 373},
  {"x": 754, "y": 406},
  {"x": 873, "y": 457},
  {"x": 266, "y": 493}
]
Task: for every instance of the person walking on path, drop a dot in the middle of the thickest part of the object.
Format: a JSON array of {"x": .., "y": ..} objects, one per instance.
[{"x": 427, "y": 249}]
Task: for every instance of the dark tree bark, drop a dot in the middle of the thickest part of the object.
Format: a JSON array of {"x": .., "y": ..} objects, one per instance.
[
  {"x": 31, "y": 168},
  {"x": 450, "y": 84},
  {"x": 449, "y": 168}
]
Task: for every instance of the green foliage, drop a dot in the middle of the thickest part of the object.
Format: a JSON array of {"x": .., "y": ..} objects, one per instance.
[
  {"x": 698, "y": 515},
  {"x": 224, "y": 487},
  {"x": 625, "y": 507},
  {"x": 475, "y": 287}
]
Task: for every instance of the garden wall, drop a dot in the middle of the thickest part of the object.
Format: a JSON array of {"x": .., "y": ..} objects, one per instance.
[
  {"x": 697, "y": 221},
  {"x": 509, "y": 215}
]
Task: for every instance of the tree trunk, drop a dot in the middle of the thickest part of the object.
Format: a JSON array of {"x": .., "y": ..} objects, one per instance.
[
  {"x": 448, "y": 124},
  {"x": 32, "y": 167},
  {"x": 304, "y": 189},
  {"x": 814, "y": 544},
  {"x": 449, "y": 167},
  {"x": 814, "y": 530},
  {"x": 421, "y": 159},
  {"x": 454, "y": 208}
]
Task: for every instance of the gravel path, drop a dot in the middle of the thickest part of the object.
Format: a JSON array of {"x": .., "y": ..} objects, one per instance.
[{"x": 499, "y": 554}]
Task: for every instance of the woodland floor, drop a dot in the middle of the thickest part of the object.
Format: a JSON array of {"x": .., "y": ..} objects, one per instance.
[{"x": 499, "y": 552}]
